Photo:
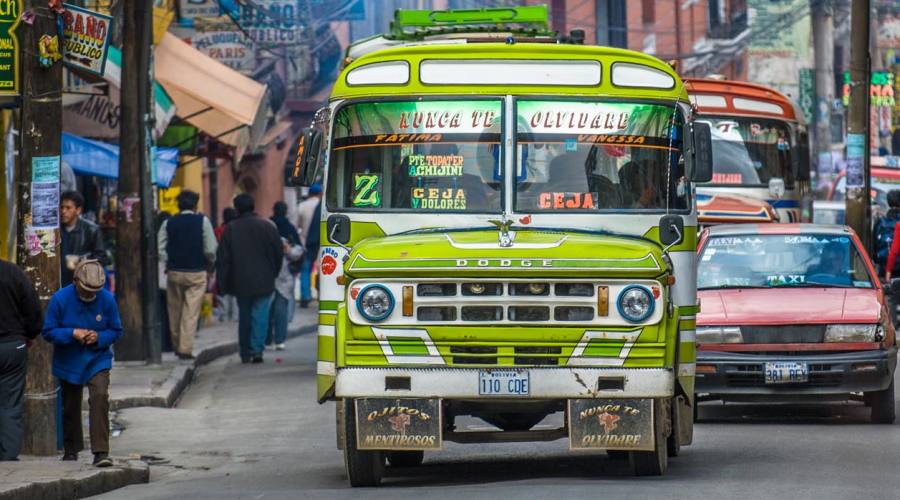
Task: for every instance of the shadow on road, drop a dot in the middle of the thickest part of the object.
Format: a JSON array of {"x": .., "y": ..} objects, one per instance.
[{"x": 784, "y": 413}]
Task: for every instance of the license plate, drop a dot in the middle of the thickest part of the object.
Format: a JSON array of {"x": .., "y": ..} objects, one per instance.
[
  {"x": 503, "y": 383},
  {"x": 786, "y": 372}
]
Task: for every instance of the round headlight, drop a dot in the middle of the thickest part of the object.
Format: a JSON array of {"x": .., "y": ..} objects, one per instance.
[
  {"x": 375, "y": 302},
  {"x": 635, "y": 303}
]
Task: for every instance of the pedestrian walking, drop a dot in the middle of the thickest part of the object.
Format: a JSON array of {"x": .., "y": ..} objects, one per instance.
[
  {"x": 80, "y": 238},
  {"x": 20, "y": 323},
  {"x": 885, "y": 227},
  {"x": 187, "y": 244},
  {"x": 82, "y": 323},
  {"x": 248, "y": 260},
  {"x": 306, "y": 220},
  {"x": 226, "y": 305},
  {"x": 228, "y": 215},
  {"x": 284, "y": 294}
]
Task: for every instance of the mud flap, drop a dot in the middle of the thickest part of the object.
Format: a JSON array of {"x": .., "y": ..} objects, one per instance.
[
  {"x": 398, "y": 424},
  {"x": 611, "y": 424}
]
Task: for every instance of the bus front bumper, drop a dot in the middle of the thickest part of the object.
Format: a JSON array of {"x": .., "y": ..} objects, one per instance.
[{"x": 543, "y": 382}]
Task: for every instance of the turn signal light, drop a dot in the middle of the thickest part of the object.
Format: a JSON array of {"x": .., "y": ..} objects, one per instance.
[
  {"x": 706, "y": 369},
  {"x": 602, "y": 301},
  {"x": 407, "y": 301}
]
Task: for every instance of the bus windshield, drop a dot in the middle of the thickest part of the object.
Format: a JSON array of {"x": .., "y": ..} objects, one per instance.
[
  {"x": 592, "y": 156},
  {"x": 750, "y": 151},
  {"x": 419, "y": 156}
]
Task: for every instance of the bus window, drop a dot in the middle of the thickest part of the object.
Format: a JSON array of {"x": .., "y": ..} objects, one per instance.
[{"x": 750, "y": 151}]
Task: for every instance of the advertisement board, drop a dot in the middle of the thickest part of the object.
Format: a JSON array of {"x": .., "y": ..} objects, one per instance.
[{"x": 86, "y": 35}]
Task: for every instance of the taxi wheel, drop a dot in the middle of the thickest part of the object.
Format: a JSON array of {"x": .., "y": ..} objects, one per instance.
[
  {"x": 364, "y": 467},
  {"x": 653, "y": 463},
  {"x": 883, "y": 411},
  {"x": 405, "y": 458}
]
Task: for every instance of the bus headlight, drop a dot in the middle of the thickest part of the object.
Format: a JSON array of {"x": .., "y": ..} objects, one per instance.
[
  {"x": 635, "y": 303},
  {"x": 853, "y": 333},
  {"x": 375, "y": 302}
]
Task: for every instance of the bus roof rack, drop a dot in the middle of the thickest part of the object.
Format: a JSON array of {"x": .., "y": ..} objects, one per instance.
[{"x": 414, "y": 25}]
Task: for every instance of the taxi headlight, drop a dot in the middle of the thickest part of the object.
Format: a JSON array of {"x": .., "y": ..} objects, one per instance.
[
  {"x": 375, "y": 302},
  {"x": 719, "y": 335},
  {"x": 635, "y": 303},
  {"x": 853, "y": 333}
]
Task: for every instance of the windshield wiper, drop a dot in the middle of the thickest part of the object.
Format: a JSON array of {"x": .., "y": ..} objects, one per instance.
[
  {"x": 730, "y": 287},
  {"x": 811, "y": 284}
]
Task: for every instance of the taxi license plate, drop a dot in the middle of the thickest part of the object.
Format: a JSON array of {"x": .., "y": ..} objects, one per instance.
[
  {"x": 503, "y": 383},
  {"x": 786, "y": 372}
]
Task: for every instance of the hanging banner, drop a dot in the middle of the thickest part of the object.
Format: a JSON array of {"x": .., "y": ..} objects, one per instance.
[
  {"x": 86, "y": 36},
  {"x": 9, "y": 47}
]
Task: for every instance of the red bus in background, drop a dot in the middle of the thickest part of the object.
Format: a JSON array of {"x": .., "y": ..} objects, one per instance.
[{"x": 761, "y": 164}]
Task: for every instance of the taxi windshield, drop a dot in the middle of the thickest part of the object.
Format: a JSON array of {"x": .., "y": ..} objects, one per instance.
[
  {"x": 593, "y": 156},
  {"x": 772, "y": 261},
  {"x": 750, "y": 151},
  {"x": 418, "y": 156}
]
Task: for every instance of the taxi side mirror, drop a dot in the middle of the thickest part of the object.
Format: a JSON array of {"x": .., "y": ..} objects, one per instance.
[
  {"x": 304, "y": 171},
  {"x": 702, "y": 164}
]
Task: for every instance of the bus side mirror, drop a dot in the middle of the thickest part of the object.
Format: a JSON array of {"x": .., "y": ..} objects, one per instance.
[
  {"x": 671, "y": 230},
  {"x": 304, "y": 171},
  {"x": 701, "y": 169}
]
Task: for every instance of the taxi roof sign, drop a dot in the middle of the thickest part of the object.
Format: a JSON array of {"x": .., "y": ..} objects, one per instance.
[{"x": 416, "y": 24}]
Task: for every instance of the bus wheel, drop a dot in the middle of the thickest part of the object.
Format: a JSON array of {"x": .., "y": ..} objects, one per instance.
[
  {"x": 364, "y": 467},
  {"x": 673, "y": 443},
  {"x": 654, "y": 463},
  {"x": 405, "y": 458}
]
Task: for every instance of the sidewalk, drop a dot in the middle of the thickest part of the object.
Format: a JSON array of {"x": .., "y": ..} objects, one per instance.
[{"x": 132, "y": 384}]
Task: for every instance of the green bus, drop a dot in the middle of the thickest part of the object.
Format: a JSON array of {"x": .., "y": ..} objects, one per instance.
[{"x": 508, "y": 233}]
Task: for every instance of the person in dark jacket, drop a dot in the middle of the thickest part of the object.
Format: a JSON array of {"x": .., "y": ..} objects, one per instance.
[
  {"x": 248, "y": 261},
  {"x": 20, "y": 322},
  {"x": 80, "y": 238},
  {"x": 285, "y": 229},
  {"x": 82, "y": 323},
  {"x": 187, "y": 244}
]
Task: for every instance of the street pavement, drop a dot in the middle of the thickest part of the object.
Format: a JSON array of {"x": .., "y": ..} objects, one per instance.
[{"x": 255, "y": 431}]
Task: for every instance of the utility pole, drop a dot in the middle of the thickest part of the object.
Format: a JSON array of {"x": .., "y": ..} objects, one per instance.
[
  {"x": 823, "y": 39},
  {"x": 858, "y": 182},
  {"x": 40, "y": 141},
  {"x": 136, "y": 255}
]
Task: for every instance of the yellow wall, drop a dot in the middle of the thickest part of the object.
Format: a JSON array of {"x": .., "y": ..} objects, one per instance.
[{"x": 189, "y": 176}]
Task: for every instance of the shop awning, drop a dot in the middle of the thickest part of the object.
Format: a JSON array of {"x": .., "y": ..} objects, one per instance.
[
  {"x": 218, "y": 100},
  {"x": 86, "y": 119},
  {"x": 87, "y": 157}
]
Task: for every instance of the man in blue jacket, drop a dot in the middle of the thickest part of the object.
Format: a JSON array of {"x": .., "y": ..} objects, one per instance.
[{"x": 82, "y": 323}]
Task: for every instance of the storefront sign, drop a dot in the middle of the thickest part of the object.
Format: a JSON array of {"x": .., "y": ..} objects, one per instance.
[
  {"x": 881, "y": 89},
  {"x": 9, "y": 47},
  {"x": 86, "y": 38},
  {"x": 190, "y": 9},
  {"x": 230, "y": 48},
  {"x": 96, "y": 117},
  {"x": 272, "y": 22}
]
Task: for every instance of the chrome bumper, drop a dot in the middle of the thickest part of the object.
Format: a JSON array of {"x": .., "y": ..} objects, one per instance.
[{"x": 545, "y": 383}]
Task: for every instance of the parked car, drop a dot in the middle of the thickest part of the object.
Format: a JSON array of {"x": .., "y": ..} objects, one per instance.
[{"x": 792, "y": 312}]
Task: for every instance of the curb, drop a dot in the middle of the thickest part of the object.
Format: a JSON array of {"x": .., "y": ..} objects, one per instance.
[
  {"x": 84, "y": 484},
  {"x": 182, "y": 375}
]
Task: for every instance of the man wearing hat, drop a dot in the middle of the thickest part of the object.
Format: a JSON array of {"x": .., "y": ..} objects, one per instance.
[
  {"x": 82, "y": 323},
  {"x": 305, "y": 220}
]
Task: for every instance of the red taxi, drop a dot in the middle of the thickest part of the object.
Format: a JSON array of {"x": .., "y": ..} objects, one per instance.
[{"x": 792, "y": 312}]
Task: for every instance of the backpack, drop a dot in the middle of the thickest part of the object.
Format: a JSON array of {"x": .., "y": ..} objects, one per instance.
[{"x": 884, "y": 236}]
